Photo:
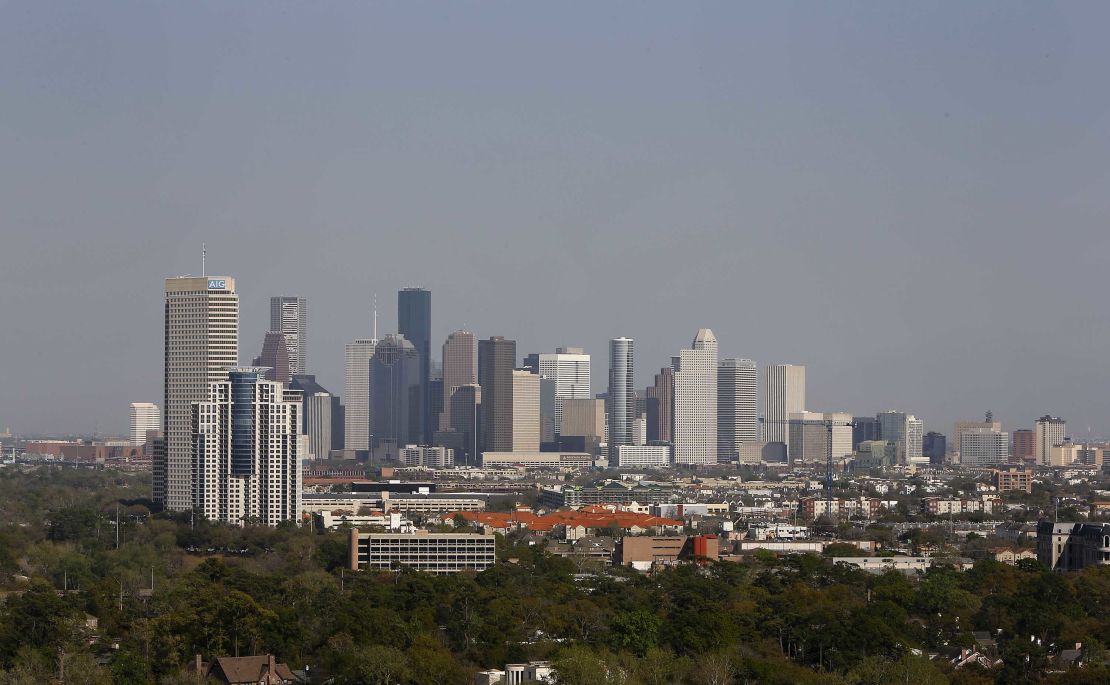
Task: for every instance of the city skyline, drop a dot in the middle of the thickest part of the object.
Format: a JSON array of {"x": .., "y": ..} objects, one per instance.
[{"x": 912, "y": 160}]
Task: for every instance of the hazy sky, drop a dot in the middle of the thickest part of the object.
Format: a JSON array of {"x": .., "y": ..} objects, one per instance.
[{"x": 909, "y": 198}]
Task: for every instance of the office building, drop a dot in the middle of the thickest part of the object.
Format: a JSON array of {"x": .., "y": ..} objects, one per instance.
[
  {"x": 426, "y": 457},
  {"x": 934, "y": 447},
  {"x": 395, "y": 394},
  {"x": 246, "y": 447},
  {"x": 915, "y": 440},
  {"x": 583, "y": 425},
  {"x": 984, "y": 447},
  {"x": 809, "y": 434},
  {"x": 906, "y": 432},
  {"x": 1048, "y": 431},
  {"x": 145, "y": 416},
  {"x": 202, "y": 342},
  {"x": 865, "y": 429},
  {"x": 526, "y": 411},
  {"x": 640, "y": 456},
  {"x": 274, "y": 358},
  {"x": 322, "y": 416},
  {"x": 548, "y": 405},
  {"x": 356, "y": 386},
  {"x": 435, "y": 553},
  {"x": 659, "y": 406},
  {"x": 1023, "y": 450},
  {"x": 737, "y": 422},
  {"x": 459, "y": 360},
  {"x": 784, "y": 393},
  {"x": 569, "y": 368},
  {"x": 496, "y": 362},
  {"x": 695, "y": 402},
  {"x": 622, "y": 394},
  {"x": 960, "y": 427},
  {"x": 465, "y": 405},
  {"x": 289, "y": 316},
  {"x": 414, "y": 322}
]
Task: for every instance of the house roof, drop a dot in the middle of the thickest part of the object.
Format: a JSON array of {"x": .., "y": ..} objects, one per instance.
[{"x": 247, "y": 669}]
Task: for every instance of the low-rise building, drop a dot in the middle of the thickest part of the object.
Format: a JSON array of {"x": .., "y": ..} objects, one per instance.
[
  {"x": 1013, "y": 479},
  {"x": 1065, "y": 546},
  {"x": 642, "y": 456},
  {"x": 538, "y": 460},
  {"x": 643, "y": 552},
  {"x": 436, "y": 553},
  {"x": 612, "y": 492}
]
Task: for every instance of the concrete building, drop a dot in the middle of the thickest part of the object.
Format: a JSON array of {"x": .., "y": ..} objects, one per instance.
[
  {"x": 435, "y": 553},
  {"x": 356, "y": 386},
  {"x": 274, "y": 357},
  {"x": 496, "y": 362},
  {"x": 984, "y": 447},
  {"x": 459, "y": 369},
  {"x": 395, "y": 416},
  {"x": 784, "y": 389},
  {"x": 737, "y": 421},
  {"x": 247, "y": 451},
  {"x": 289, "y": 316},
  {"x": 145, "y": 416},
  {"x": 569, "y": 368},
  {"x": 526, "y": 411},
  {"x": 695, "y": 402},
  {"x": 465, "y": 403},
  {"x": 659, "y": 406},
  {"x": 809, "y": 434},
  {"x": 934, "y": 447},
  {"x": 539, "y": 460},
  {"x": 414, "y": 322},
  {"x": 583, "y": 425},
  {"x": 906, "y": 431},
  {"x": 641, "y": 457},
  {"x": 1063, "y": 454},
  {"x": 1048, "y": 431},
  {"x": 428, "y": 457},
  {"x": 622, "y": 393},
  {"x": 1013, "y": 478},
  {"x": 864, "y": 429},
  {"x": 961, "y": 427},
  {"x": 1023, "y": 450},
  {"x": 202, "y": 342}
]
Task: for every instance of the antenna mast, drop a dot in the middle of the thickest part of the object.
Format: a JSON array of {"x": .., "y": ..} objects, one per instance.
[
  {"x": 203, "y": 260},
  {"x": 375, "y": 336}
]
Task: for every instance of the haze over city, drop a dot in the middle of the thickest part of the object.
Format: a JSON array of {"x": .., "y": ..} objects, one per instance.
[{"x": 911, "y": 203}]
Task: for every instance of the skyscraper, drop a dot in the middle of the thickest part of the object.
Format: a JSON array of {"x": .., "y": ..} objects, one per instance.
[
  {"x": 622, "y": 393},
  {"x": 458, "y": 369},
  {"x": 356, "y": 386},
  {"x": 810, "y": 434},
  {"x": 526, "y": 411},
  {"x": 1024, "y": 439},
  {"x": 933, "y": 446},
  {"x": 202, "y": 342},
  {"x": 1048, "y": 432},
  {"x": 865, "y": 429},
  {"x": 695, "y": 402},
  {"x": 784, "y": 388},
  {"x": 246, "y": 449},
  {"x": 395, "y": 393},
  {"x": 465, "y": 404},
  {"x": 289, "y": 316},
  {"x": 414, "y": 321},
  {"x": 275, "y": 357},
  {"x": 659, "y": 406},
  {"x": 569, "y": 368},
  {"x": 145, "y": 416},
  {"x": 737, "y": 422},
  {"x": 496, "y": 361},
  {"x": 321, "y": 418},
  {"x": 907, "y": 432}
]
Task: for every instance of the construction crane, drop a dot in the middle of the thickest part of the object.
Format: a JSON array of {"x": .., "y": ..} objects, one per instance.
[{"x": 829, "y": 424}]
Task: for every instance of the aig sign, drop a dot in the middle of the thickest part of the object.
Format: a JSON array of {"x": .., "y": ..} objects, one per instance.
[{"x": 216, "y": 284}]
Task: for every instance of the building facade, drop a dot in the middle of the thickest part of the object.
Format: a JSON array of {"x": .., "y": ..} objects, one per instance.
[
  {"x": 1048, "y": 432},
  {"x": 202, "y": 342},
  {"x": 737, "y": 422},
  {"x": 641, "y": 457},
  {"x": 1023, "y": 440},
  {"x": 459, "y": 369},
  {"x": 435, "y": 553},
  {"x": 907, "y": 432},
  {"x": 274, "y": 357},
  {"x": 810, "y": 434},
  {"x": 356, "y": 386},
  {"x": 659, "y": 406},
  {"x": 934, "y": 447},
  {"x": 984, "y": 447},
  {"x": 289, "y": 316},
  {"x": 695, "y": 402},
  {"x": 496, "y": 362},
  {"x": 526, "y": 411},
  {"x": 144, "y": 416},
  {"x": 414, "y": 322},
  {"x": 622, "y": 393},
  {"x": 395, "y": 394},
  {"x": 569, "y": 368},
  {"x": 784, "y": 388}
]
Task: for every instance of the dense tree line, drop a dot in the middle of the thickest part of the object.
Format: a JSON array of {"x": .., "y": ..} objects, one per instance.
[{"x": 798, "y": 619}]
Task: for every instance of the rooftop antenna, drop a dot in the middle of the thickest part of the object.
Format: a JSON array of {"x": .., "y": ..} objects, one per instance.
[
  {"x": 203, "y": 260},
  {"x": 375, "y": 337}
]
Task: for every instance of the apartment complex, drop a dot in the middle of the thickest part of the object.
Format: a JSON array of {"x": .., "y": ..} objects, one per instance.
[{"x": 435, "y": 553}]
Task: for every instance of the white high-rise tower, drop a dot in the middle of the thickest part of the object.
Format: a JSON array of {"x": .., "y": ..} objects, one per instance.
[
  {"x": 784, "y": 388},
  {"x": 695, "y": 401},
  {"x": 737, "y": 422},
  {"x": 202, "y": 342},
  {"x": 145, "y": 416}
]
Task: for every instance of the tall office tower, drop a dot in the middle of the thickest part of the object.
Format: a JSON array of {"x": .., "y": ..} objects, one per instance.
[
  {"x": 1048, "y": 432},
  {"x": 934, "y": 447},
  {"x": 275, "y": 357},
  {"x": 321, "y": 419},
  {"x": 865, "y": 429},
  {"x": 737, "y": 422},
  {"x": 583, "y": 426},
  {"x": 145, "y": 416},
  {"x": 695, "y": 402},
  {"x": 356, "y": 386},
  {"x": 659, "y": 406},
  {"x": 526, "y": 411},
  {"x": 414, "y": 321},
  {"x": 496, "y": 361},
  {"x": 548, "y": 433},
  {"x": 1023, "y": 445},
  {"x": 202, "y": 342},
  {"x": 784, "y": 393},
  {"x": 984, "y": 447},
  {"x": 622, "y": 394},
  {"x": 395, "y": 393},
  {"x": 906, "y": 431},
  {"x": 458, "y": 369},
  {"x": 810, "y": 432},
  {"x": 961, "y": 427},
  {"x": 569, "y": 367},
  {"x": 289, "y": 316},
  {"x": 246, "y": 447},
  {"x": 465, "y": 410}
]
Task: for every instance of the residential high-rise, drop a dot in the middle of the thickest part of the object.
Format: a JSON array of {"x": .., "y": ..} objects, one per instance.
[
  {"x": 395, "y": 393},
  {"x": 1048, "y": 432},
  {"x": 458, "y": 369},
  {"x": 145, "y": 416},
  {"x": 737, "y": 422},
  {"x": 622, "y": 393},
  {"x": 496, "y": 361},
  {"x": 659, "y": 406},
  {"x": 810, "y": 432},
  {"x": 246, "y": 448},
  {"x": 981, "y": 446},
  {"x": 784, "y": 393},
  {"x": 202, "y": 342},
  {"x": 356, "y": 388},
  {"x": 289, "y": 316},
  {"x": 526, "y": 411},
  {"x": 414, "y": 321},
  {"x": 275, "y": 357},
  {"x": 569, "y": 367},
  {"x": 1024, "y": 439},
  {"x": 695, "y": 402}
]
